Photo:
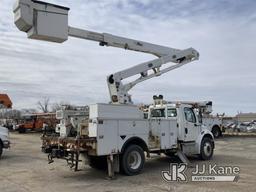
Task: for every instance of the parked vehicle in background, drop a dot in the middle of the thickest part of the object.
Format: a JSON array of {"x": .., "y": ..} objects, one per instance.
[
  {"x": 251, "y": 128},
  {"x": 214, "y": 124},
  {"x": 37, "y": 121},
  {"x": 242, "y": 126},
  {"x": 7, "y": 123},
  {"x": 4, "y": 139},
  {"x": 245, "y": 126}
]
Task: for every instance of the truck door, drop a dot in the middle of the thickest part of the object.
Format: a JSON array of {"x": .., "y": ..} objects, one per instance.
[{"x": 190, "y": 125}]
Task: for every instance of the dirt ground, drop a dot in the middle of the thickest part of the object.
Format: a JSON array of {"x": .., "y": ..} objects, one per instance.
[{"x": 24, "y": 168}]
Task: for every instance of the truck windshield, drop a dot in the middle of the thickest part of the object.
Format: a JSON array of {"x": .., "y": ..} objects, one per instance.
[
  {"x": 157, "y": 113},
  {"x": 171, "y": 112}
]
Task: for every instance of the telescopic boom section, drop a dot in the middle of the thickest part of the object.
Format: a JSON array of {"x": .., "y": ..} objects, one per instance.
[
  {"x": 49, "y": 22},
  {"x": 119, "y": 91}
]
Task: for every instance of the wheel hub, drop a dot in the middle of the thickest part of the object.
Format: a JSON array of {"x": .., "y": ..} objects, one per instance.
[
  {"x": 134, "y": 160},
  {"x": 207, "y": 149}
]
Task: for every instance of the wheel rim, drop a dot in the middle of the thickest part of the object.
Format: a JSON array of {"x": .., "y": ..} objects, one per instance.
[
  {"x": 207, "y": 149},
  {"x": 134, "y": 160}
]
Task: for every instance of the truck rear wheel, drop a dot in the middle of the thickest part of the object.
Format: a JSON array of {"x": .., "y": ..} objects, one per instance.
[
  {"x": 132, "y": 160},
  {"x": 206, "y": 150}
]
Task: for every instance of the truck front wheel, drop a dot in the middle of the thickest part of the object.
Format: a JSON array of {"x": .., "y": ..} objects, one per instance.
[
  {"x": 132, "y": 160},
  {"x": 206, "y": 150}
]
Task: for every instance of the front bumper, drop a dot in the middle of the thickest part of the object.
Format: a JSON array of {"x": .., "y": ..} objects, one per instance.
[{"x": 6, "y": 144}]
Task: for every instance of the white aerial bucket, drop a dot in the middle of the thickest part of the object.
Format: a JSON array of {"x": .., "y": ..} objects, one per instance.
[{"x": 41, "y": 20}]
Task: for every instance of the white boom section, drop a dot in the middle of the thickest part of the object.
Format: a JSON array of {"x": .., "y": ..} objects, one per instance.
[
  {"x": 119, "y": 91},
  {"x": 49, "y": 22}
]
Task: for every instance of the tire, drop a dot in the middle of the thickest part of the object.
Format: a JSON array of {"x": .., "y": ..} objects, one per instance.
[
  {"x": 22, "y": 130},
  {"x": 216, "y": 132},
  {"x": 98, "y": 162},
  {"x": 132, "y": 160},
  {"x": 206, "y": 149},
  {"x": 1, "y": 148}
]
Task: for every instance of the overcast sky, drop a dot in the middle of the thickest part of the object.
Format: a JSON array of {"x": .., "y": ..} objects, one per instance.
[{"x": 223, "y": 31}]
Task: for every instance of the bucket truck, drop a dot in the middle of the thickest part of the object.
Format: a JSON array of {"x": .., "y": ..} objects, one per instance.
[
  {"x": 212, "y": 123},
  {"x": 117, "y": 131}
]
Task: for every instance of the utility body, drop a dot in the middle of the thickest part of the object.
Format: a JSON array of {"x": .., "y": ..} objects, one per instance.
[{"x": 117, "y": 131}]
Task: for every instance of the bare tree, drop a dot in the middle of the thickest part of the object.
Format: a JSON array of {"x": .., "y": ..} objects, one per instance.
[{"x": 44, "y": 105}]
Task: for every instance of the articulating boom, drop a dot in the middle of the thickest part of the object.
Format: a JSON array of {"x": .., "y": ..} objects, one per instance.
[{"x": 45, "y": 21}]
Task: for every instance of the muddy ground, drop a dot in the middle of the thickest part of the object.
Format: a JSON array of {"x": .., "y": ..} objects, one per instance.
[{"x": 24, "y": 168}]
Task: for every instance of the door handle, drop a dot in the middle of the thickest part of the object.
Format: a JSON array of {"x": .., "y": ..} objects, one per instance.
[{"x": 186, "y": 130}]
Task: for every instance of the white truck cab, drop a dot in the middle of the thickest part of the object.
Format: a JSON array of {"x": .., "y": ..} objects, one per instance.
[
  {"x": 203, "y": 112},
  {"x": 4, "y": 139},
  {"x": 189, "y": 123}
]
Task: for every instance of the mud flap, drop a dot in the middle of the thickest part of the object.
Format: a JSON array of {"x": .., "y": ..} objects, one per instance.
[{"x": 113, "y": 165}]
